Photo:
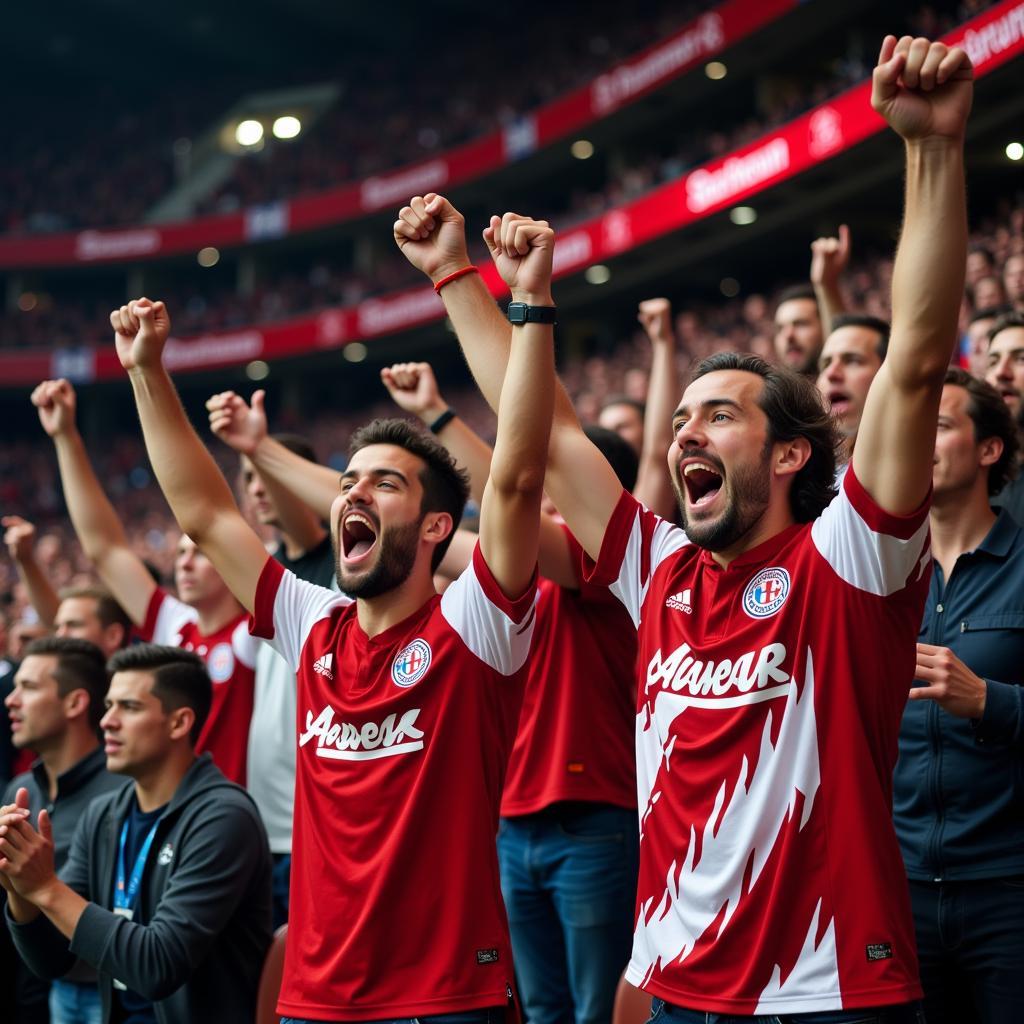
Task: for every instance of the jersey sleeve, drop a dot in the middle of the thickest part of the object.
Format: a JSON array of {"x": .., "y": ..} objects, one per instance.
[
  {"x": 287, "y": 608},
  {"x": 869, "y": 548},
  {"x": 165, "y": 617},
  {"x": 635, "y": 543},
  {"x": 498, "y": 631}
]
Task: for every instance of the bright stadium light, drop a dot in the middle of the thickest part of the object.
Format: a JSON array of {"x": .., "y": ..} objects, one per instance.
[
  {"x": 249, "y": 133},
  {"x": 286, "y": 127},
  {"x": 597, "y": 274},
  {"x": 582, "y": 149},
  {"x": 743, "y": 215},
  {"x": 354, "y": 352},
  {"x": 208, "y": 256},
  {"x": 257, "y": 370},
  {"x": 716, "y": 70},
  {"x": 1014, "y": 151}
]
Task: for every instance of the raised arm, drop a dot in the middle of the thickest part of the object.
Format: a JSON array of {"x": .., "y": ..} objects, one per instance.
[
  {"x": 413, "y": 388},
  {"x": 198, "y": 494},
  {"x": 829, "y": 258},
  {"x": 584, "y": 487},
  {"x": 99, "y": 530},
  {"x": 244, "y": 428},
  {"x": 653, "y": 484},
  {"x": 924, "y": 91},
  {"x": 20, "y": 538}
]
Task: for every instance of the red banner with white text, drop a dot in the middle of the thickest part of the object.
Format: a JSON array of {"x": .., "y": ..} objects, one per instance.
[{"x": 992, "y": 39}]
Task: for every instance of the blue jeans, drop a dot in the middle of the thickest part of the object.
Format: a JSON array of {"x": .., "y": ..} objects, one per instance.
[
  {"x": 496, "y": 1015},
  {"x": 970, "y": 944},
  {"x": 909, "y": 1013},
  {"x": 568, "y": 876},
  {"x": 75, "y": 1003}
]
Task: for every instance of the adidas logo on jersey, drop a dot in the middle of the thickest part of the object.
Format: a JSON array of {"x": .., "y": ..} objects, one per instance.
[
  {"x": 680, "y": 602},
  {"x": 324, "y": 665}
]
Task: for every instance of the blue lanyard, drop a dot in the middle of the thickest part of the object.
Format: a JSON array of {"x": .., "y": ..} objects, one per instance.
[{"x": 125, "y": 898}]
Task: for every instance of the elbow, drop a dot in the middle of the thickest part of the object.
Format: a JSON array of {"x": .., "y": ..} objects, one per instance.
[{"x": 524, "y": 481}]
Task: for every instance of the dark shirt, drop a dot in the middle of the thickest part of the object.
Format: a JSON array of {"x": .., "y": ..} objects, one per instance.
[
  {"x": 315, "y": 565},
  {"x": 959, "y": 784},
  {"x": 76, "y": 789},
  {"x": 136, "y": 1009},
  {"x": 1011, "y": 497}
]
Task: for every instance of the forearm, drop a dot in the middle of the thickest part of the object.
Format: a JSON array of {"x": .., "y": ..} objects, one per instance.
[
  {"x": 96, "y": 523},
  {"x": 470, "y": 451},
  {"x": 483, "y": 332},
  {"x": 315, "y": 486},
  {"x": 188, "y": 476},
  {"x": 928, "y": 277},
  {"x": 22, "y": 911},
  {"x": 524, "y": 414},
  {"x": 830, "y": 303},
  {"x": 653, "y": 486},
  {"x": 43, "y": 598},
  {"x": 61, "y": 905}
]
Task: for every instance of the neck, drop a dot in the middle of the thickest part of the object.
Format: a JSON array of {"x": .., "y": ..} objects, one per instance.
[
  {"x": 846, "y": 448},
  {"x": 75, "y": 746},
  {"x": 773, "y": 521},
  {"x": 377, "y": 614},
  {"x": 960, "y": 520},
  {"x": 155, "y": 788},
  {"x": 218, "y": 613}
]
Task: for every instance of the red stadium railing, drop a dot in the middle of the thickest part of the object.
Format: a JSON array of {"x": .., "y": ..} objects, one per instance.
[
  {"x": 991, "y": 39},
  {"x": 706, "y": 36}
]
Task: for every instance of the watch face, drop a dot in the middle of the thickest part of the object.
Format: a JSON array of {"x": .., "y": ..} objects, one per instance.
[{"x": 517, "y": 312}]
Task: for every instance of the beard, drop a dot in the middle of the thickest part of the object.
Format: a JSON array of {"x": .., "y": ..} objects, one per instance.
[
  {"x": 747, "y": 492},
  {"x": 397, "y": 556}
]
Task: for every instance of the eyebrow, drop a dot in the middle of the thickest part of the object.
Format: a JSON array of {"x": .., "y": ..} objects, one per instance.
[
  {"x": 708, "y": 404},
  {"x": 351, "y": 474}
]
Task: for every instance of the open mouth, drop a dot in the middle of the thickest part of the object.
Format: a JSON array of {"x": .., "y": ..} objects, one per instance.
[
  {"x": 702, "y": 481},
  {"x": 839, "y": 401},
  {"x": 358, "y": 536}
]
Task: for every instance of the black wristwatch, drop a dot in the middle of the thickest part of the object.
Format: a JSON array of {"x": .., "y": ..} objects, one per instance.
[{"x": 521, "y": 313}]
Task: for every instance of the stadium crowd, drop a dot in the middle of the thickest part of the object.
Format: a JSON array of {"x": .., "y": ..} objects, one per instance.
[
  {"x": 842, "y": 466},
  {"x": 59, "y": 314}
]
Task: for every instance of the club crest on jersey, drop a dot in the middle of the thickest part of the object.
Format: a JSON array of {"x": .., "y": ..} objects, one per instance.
[
  {"x": 221, "y": 663},
  {"x": 766, "y": 593},
  {"x": 411, "y": 663}
]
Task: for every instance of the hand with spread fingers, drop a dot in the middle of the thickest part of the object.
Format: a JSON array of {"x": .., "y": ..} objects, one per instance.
[
  {"x": 522, "y": 250},
  {"x": 413, "y": 388},
  {"x": 141, "y": 329},
  {"x": 923, "y": 89},
  {"x": 238, "y": 425},
  {"x": 951, "y": 684},
  {"x": 432, "y": 236},
  {"x": 56, "y": 402}
]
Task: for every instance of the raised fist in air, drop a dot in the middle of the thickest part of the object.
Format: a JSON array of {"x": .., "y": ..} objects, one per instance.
[
  {"x": 140, "y": 333},
  {"x": 923, "y": 89}
]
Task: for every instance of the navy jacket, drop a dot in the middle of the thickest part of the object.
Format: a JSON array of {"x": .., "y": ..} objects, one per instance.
[
  {"x": 959, "y": 784},
  {"x": 197, "y": 943}
]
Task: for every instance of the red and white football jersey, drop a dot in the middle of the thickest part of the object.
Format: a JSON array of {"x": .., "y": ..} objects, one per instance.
[
  {"x": 769, "y": 706},
  {"x": 575, "y": 737},
  {"x": 230, "y": 656},
  {"x": 403, "y": 741}
]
